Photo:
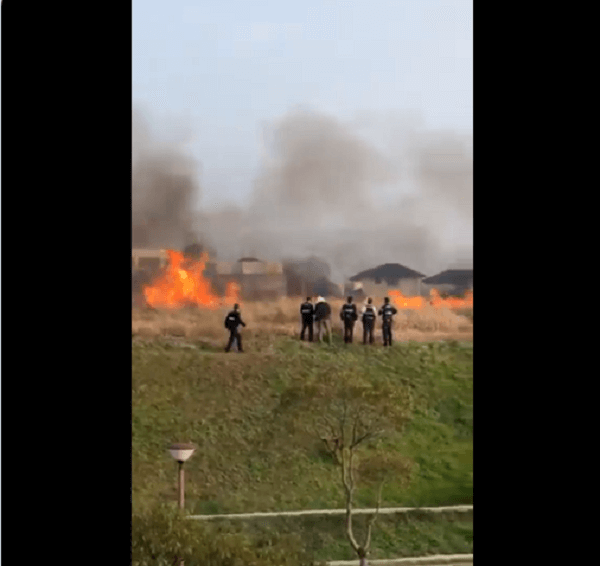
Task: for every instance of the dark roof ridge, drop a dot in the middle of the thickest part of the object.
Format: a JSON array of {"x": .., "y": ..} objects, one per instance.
[
  {"x": 451, "y": 276},
  {"x": 388, "y": 271}
]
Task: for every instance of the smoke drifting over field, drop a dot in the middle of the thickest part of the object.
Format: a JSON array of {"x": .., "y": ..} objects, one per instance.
[
  {"x": 164, "y": 187},
  {"x": 320, "y": 176},
  {"x": 323, "y": 190}
]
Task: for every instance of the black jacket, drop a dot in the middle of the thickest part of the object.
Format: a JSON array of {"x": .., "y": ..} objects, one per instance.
[
  {"x": 233, "y": 320},
  {"x": 387, "y": 311},
  {"x": 322, "y": 311},
  {"x": 369, "y": 314},
  {"x": 348, "y": 312},
  {"x": 307, "y": 309}
]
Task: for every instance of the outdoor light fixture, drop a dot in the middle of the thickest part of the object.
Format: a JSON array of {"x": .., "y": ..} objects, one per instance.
[{"x": 181, "y": 453}]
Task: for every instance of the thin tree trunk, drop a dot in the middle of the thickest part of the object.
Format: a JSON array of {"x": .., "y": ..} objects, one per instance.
[{"x": 349, "y": 488}]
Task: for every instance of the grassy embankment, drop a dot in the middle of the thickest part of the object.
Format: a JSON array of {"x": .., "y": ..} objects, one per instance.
[{"x": 250, "y": 456}]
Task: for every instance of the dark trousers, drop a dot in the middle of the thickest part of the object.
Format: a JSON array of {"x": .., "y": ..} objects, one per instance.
[
  {"x": 387, "y": 333},
  {"x": 348, "y": 329},
  {"x": 307, "y": 324},
  {"x": 368, "y": 332},
  {"x": 234, "y": 335}
]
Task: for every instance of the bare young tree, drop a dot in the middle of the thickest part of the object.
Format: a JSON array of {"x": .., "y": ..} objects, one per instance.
[{"x": 350, "y": 416}]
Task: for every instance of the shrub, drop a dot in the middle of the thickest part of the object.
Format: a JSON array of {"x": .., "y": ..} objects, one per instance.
[{"x": 165, "y": 537}]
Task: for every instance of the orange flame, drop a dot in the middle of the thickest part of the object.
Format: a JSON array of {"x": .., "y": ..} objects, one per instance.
[
  {"x": 183, "y": 284},
  {"x": 402, "y": 302},
  {"x": 406, "y": 302},
  {"x": 451, "y": 302}
]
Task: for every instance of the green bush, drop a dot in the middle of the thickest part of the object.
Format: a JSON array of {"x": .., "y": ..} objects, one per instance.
[{"x": 164, "y": 537}]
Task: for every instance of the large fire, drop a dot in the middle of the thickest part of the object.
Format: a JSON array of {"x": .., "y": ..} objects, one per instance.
[
  {"x": 183, "y": 284},
  {"x": 434, "y": 300}
]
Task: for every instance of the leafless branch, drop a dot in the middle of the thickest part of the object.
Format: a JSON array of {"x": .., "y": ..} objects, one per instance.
[
  {"x": 373, "y": 519},
  {"x": 349, "y": 496},
  {"x": 343, "y": 421},
  {"x": 354, "y": 432},
  {"x": 351, "y": 468},
  {"x": 349, "y": 532},
  {"x": 326, "y": 423},
  {"x": 347, "y": 485},
  {"x": 362, "y": 438}
]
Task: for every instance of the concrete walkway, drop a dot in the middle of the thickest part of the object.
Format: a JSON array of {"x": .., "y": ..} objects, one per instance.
[
  {"x": 384, "y": 511},
  {"x": 436, "y": 560}
]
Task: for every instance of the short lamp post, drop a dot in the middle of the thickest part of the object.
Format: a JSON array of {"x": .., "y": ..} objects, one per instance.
[{"x": 181, "y": 453}]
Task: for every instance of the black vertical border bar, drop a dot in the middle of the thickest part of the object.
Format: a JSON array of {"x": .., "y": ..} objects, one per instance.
[
  {"x": 511, "y": 433},
  {"x": 66, "y": 240}
]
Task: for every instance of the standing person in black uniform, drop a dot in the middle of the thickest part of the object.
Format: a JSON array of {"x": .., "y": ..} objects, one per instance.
[
  {"x": 348, "y": 315},
  {"x": 232, "y": 321},
  {"x": 307, "y": 311},
  {"x": 369, "y": 314},
  {"x": 387, "y": 311}
]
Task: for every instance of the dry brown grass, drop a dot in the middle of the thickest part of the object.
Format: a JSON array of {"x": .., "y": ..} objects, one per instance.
[{"x": 283, "y": 317}]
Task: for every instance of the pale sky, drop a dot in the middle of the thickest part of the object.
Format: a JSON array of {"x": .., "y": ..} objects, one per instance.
[{"x": 223, "y": 69}]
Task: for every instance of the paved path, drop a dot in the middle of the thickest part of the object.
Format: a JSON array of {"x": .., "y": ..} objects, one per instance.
[
  {"x": 437, "y": 560},
  {"x": 384, "y": 511}
]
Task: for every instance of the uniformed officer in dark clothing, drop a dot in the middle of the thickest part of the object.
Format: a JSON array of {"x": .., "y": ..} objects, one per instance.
[
  {"x": 232, "y": 322},
  {"x": 387, "y": 311},
  {"x": 307, "y": 311},
  {"x": 349, "y": 316},
  {"x": 369, "y": 314}
]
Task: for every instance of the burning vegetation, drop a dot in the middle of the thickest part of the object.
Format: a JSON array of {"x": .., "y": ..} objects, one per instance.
[
  {"x": 183, "y": 284},
  {"x": 435, "y": 300}
]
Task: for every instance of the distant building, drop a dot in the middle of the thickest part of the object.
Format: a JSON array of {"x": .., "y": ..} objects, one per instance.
[
  {"x": 451, "y": 281},
  {"x": 377, "y": 282},
  {"x": 150, "y": 260},
  {"x": 145, "y": 265},
  {"x": 259, "y": 280}
]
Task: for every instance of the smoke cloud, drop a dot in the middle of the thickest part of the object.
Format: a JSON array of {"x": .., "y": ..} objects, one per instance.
[
  {"x": 325, "y": 191},
  {"x": 320, "y": 175},
  {"x": 164, "y": 186}
]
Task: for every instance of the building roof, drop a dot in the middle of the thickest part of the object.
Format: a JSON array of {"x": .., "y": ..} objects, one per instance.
[
  {"x": 390, "y": 272},
  {"x": 451, "y": 277}
]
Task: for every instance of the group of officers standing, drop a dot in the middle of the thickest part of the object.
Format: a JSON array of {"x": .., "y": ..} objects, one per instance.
[{"x": 320, "y": 313}]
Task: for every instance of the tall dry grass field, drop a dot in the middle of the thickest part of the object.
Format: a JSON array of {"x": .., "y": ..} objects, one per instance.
[{"x": 283, "y": 317}]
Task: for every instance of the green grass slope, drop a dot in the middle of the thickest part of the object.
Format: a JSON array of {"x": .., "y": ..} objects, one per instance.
[{"x": 251, "y": 458}]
